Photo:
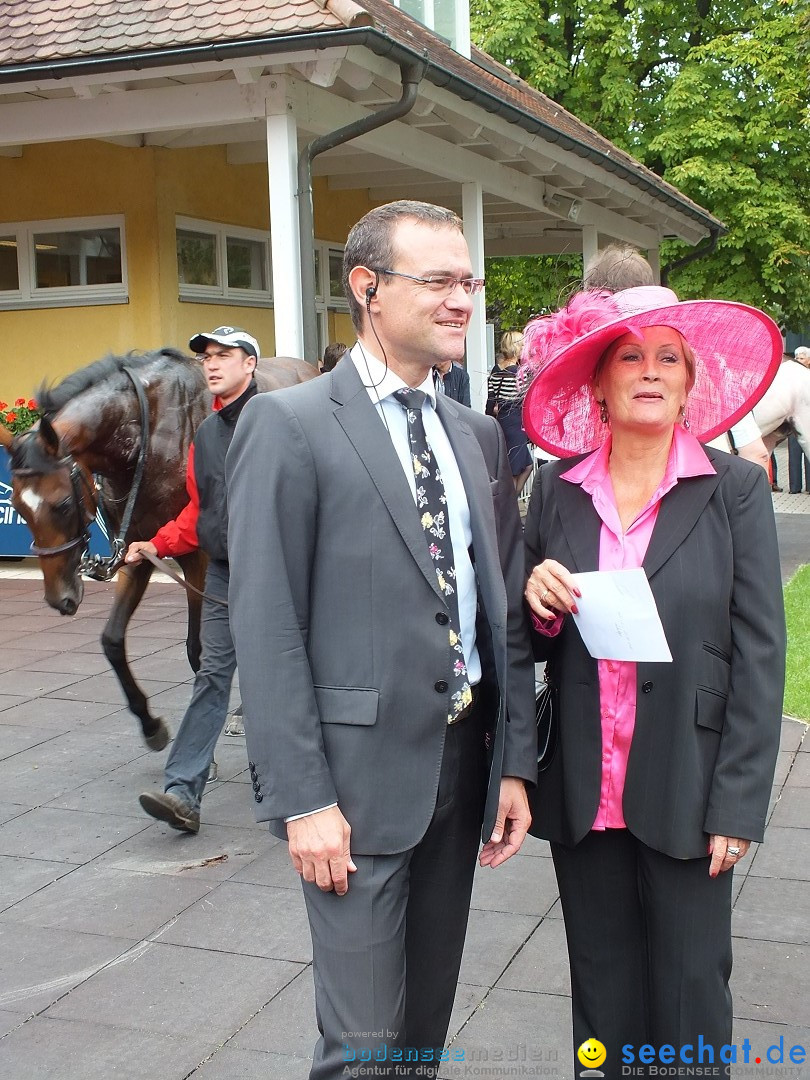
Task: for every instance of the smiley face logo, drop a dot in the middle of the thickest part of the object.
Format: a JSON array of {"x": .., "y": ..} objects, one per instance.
[{"x": 592, "y": 1054}]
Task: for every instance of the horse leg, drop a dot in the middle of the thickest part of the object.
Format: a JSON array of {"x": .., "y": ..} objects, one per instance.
[
  {"x": 193, "y": 566},
  {"x": 129, "y": 590}
]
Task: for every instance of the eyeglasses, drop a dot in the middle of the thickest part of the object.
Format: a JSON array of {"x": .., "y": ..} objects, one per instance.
[{"x": 440, "y": 283}]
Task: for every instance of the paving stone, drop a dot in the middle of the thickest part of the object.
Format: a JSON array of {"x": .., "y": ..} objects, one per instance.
[
  {"x": 793, "y": 808},
  {"x": 785, "y": 854},
  {"x": 773, "y": 913},
  {"x": 763, "y": 1037},
  {"x": 784, "y": 763},
  {"x": 22, "y": 877},
  {"x": 217, "y": 852},
  {"x": 793, "y": 735},
  {"x": 104, "y": 688},
  {"x": 54, "y": 1049},
  {"x": 533, "y": 846},
  {"x": 286, "y": 1025},
  {"x": 227, "y": 803},
  {"x": 11, "y": 810},
  {"x": 8, "y": 1022},
  {"x": 513, "y": 1029},
  {"x": 238, "y": 917},
  {"x": 64, "y": 835},
  {"x": 55, "y": 714},
  {"x": 228, "y": 1064},
  {"x": 52, "y": 640},
  {"x": 35, "y": 683},
  {"x": 492, "y": 940},
  {"x": 70, "y": 663},
  {"x": 542, "y": 963},
  {"x": 15, "y": 738},
  {"x": 800, "y": 772},
  {"x": 274, "y": 867},
  {"x": 115, "y": 903},
  {"x": 9, "y": 701},
  {"x": 524, "y": 885},
  {"x": 38, "y": 966},
  {"x": 12, "y": 658},
  {"x": 771, "y": 981},
  {"x": 177, "y": 991},
  {"x": 161, "y": 669}
]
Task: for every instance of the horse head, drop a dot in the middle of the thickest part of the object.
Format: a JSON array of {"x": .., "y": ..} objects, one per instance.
[{"x": 54, "y": 494}]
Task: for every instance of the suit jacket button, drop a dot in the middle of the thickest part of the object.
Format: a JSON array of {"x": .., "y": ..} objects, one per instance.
[
  {"x": 258, "y": 796},
  {"x": 646, "y": 687},
  {"x": 256, "y": 785},
  {"x": 440, "y": 687},
  {"x": 251, "y": 765},
  {"x": 442, "y": 618}
]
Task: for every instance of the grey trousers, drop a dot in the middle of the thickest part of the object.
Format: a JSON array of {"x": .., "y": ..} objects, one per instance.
[
  {"x": 386, "y": 956},
  {"x": 193, "y": 748}
]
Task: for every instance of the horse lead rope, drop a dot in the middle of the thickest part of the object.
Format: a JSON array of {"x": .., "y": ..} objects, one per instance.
[{"x": 166, "y": 569}]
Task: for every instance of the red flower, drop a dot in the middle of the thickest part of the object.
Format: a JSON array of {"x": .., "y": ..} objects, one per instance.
[
  {"x": 11, "y": 417},
  {"x": 3, "y": 405},
  {"x": 32, "y": 404},
  {"x": 20, "y": 401}
]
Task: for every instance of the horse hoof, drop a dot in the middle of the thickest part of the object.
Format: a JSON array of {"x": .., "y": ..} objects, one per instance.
[{"x": 159, "y": 739}]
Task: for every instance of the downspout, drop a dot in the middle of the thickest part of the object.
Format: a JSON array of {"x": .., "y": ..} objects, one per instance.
[
  {"x": 411, "y": 74},
  {"x": 692, "y": 256}
]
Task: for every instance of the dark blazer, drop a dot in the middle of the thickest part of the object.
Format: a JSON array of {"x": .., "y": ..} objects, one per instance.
[
  {"x": 707, "y": 725},
  {"x": 337, "y": 617},
  {"x": 456, "y": 384}
]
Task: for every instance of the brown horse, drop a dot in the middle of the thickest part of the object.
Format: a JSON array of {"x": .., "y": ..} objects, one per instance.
[{"x": 94, "y": 422}]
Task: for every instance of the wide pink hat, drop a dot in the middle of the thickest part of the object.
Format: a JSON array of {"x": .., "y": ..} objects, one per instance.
[{"x": 737, "y": 352}]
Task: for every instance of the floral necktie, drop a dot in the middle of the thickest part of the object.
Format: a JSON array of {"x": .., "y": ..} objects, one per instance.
[{"x": 431, "y": 502}]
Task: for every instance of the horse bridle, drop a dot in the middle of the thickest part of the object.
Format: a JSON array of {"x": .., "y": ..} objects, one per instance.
[
  {"x": 96, "y": 566},
  {"x": 77, "y": 481}
]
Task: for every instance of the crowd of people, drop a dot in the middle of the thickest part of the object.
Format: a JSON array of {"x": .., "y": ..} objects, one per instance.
[{"x": 387, "y": 609}]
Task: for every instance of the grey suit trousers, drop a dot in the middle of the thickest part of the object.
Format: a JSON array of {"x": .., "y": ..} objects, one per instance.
[{"x": 386, "y": 956}]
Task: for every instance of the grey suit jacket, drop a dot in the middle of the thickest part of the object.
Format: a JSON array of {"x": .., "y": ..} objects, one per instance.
[
  {"x": 707, "y": 725},
  {"x": 334, "y": 605}
]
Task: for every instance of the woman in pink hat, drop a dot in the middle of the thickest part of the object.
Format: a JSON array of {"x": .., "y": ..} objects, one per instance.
[{"x": 662, "y": 771}]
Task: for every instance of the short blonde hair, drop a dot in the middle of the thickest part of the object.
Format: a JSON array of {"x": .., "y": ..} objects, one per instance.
[{"x": 512, "y": 344}]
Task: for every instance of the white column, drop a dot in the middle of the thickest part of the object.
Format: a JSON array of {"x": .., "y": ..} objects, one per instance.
[
  {"x": 282, "y": 163},
  {"x": 654, "y": 259},
  {"x": 472, "y": 209},
  {"x": 590, "y": 245}
]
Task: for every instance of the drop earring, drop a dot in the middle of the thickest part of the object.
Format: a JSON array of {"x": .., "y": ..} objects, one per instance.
[{"x": 603, "y": 412}]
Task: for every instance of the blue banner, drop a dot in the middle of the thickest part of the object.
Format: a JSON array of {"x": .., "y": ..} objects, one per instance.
[{"x": 15, "y": 536}]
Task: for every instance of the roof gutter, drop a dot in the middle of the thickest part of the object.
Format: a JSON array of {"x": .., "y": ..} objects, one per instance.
[
  {"x": 691, "y": 256},
  {"x": 411, "y": 75},
  {"x": 380, "y": 42}
]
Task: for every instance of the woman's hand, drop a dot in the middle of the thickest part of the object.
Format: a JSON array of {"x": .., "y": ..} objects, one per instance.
[
  {"x": 726, "y": 851},
  {"x": 551, "y": 590}
]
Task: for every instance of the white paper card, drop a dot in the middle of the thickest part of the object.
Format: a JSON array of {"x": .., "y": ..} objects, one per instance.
[{"x": 617, "y": 617}]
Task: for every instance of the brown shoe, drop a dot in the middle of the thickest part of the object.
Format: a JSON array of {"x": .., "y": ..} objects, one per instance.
[{"x": 169, "y": 808}]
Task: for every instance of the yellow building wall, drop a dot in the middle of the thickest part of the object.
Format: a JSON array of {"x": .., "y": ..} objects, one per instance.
[{"x": 150, "y": 186}]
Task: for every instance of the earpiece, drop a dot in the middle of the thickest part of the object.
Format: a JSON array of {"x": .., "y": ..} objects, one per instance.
[{"x": 371, "y": 292}]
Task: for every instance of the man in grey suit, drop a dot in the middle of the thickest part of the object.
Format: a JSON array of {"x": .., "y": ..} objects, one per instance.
[{"x": 384, "y": 661}]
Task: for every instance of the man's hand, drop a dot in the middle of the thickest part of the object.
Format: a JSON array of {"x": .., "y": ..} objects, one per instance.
[
  {"x": 511, "y": 824},
  {"x": 319, "y": 849},
  {"x": 134, "y": 550}
]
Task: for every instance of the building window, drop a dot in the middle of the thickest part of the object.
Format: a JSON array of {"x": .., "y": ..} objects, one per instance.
[
  {"x": 223, "y": 262},
  {"x": 328, "y": 287},
  {"x": 63, "y": 263}
]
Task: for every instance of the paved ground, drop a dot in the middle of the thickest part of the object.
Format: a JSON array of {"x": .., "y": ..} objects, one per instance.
[{"x": 128, "y": 950}]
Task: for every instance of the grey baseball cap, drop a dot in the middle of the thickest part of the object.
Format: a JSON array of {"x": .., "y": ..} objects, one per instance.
[{"x": 229, "y": 336}]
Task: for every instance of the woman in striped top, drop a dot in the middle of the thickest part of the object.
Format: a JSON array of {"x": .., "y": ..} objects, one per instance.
[{"x": 504, "y": 402}]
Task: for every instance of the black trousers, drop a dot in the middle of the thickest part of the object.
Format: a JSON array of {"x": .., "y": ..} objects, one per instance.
[
  {"x": 649, "y": 945},
  {"x": 386, "y": 956}
]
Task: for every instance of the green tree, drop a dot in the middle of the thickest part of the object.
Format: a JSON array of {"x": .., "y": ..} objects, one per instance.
[{"x": 712, "y": 95}]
